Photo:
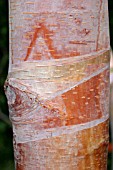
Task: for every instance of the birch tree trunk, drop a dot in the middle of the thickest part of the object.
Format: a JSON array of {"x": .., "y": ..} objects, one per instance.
[{"x": 58, "y": 84}]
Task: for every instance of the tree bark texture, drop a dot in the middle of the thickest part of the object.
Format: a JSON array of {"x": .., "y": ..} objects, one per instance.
[{"x": 58, "y": 84}]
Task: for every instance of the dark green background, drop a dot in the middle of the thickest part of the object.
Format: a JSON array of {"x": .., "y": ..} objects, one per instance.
[{"x": 6, "y": 148}]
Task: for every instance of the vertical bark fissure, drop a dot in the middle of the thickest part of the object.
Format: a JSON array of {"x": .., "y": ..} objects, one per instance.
[{"x": 99, "y": 16}]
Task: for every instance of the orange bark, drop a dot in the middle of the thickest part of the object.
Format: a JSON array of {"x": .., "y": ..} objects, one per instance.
[{"x": 58, "y": 84}]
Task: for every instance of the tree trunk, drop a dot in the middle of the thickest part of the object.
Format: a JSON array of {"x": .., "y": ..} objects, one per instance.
[{"x": 58, "y": 84}]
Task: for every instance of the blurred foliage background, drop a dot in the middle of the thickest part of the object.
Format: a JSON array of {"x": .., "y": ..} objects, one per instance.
[{"x": 6, "y": 143}]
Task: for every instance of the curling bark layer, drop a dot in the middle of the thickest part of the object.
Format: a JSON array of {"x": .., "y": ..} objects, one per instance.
[{"x": 58, "y": 84}]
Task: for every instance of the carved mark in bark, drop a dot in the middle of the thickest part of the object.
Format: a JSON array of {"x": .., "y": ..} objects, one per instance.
[{"x": 48, "y": 41}]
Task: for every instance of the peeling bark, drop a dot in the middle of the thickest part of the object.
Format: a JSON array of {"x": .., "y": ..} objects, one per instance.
[{"x": 58, "y": 84}]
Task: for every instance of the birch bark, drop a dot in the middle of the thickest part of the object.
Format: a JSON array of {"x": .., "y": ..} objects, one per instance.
[{"x": 58, "y": 84}]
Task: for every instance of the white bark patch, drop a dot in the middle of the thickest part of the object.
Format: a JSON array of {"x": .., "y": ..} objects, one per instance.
[
  {"x": 31, "y": 134},
  {"x": 53, "y": 78},
  {"x": 10, "y": 96}
]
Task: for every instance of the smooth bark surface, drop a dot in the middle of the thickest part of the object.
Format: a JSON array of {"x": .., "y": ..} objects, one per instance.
[{"x": 58, "y": 84}]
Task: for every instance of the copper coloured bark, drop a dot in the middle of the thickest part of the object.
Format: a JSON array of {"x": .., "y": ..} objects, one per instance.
[{"x": 58, "y": 84}]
